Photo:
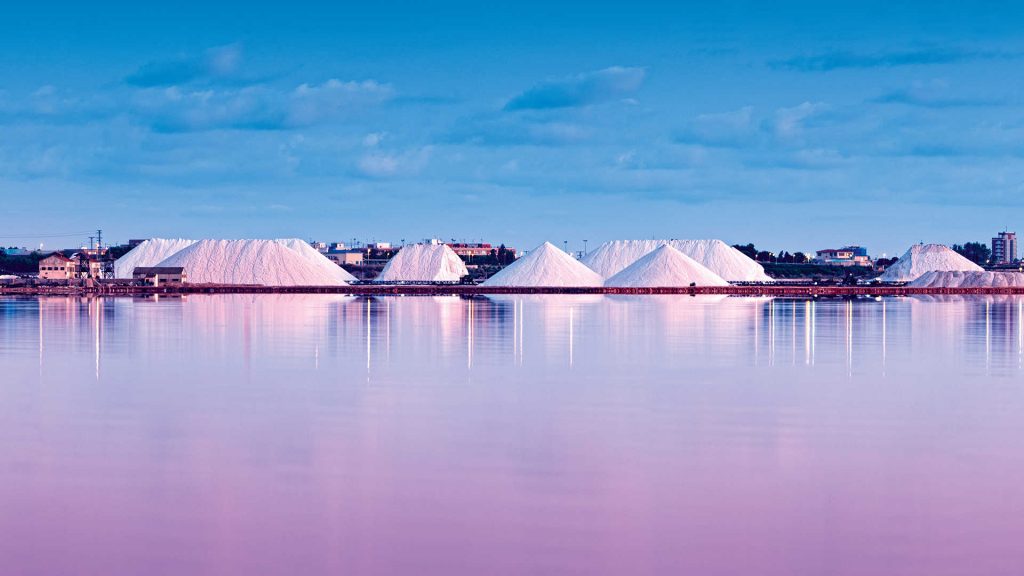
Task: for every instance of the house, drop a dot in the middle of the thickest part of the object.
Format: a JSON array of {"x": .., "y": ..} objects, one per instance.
[
  {"x": 471, "y": 251},
  {"x": 353, "y": 257},
  {"x": 57, "y": 266},
  {"x": 845, "y": 256},
  {"x": 160, "y": 275}
]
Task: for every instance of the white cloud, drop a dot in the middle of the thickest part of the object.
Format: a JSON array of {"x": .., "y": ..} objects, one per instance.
[
  {"x": 384, "y": 165},
  {"x": 177, "y": 109},
  {"x": 585, "y": 89},
  {"x": 789, "y": 122},
  {"x": 373, "y": 139}
]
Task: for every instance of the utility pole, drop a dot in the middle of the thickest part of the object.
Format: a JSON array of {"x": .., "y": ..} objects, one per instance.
[
  {"x": 565, "y": 243},
  {"x": 585, "y": 247},
  {"x": 99, "y": 239}
]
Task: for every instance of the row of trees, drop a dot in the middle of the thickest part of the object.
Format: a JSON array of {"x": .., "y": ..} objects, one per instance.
[
  {"x": 27, "y": 264},
  {"x": 770, "y": 257},
  {"x": 976, "y": 252}
]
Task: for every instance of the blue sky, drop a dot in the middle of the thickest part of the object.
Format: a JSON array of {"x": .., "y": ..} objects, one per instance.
[{"x": 795, "y": 126}]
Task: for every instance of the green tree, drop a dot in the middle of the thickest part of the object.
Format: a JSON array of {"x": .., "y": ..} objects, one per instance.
[
  {"x": 747, "y": 249},
  {"x": 976, "y": 252},
  {"x": 504, "y": 256}
]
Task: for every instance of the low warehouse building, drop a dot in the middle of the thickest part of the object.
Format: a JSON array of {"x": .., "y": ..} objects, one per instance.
[{"x": 160, "y": 275}]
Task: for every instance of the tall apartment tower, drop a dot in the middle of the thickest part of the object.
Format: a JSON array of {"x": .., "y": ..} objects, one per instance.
[{"x": 1004, "y": 248}]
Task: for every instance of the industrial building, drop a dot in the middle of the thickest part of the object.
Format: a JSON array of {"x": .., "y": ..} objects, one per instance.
[{"x": 160, "y": 275}]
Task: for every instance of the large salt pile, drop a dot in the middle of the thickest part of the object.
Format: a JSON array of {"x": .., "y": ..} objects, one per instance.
[
  {"x": 547, "y": 265},
  {"x": 921, "y": 258},
  {"x": 263, "y": 262},
  {"x": 958, "y": 279},
  {"x": 424, "y": 263},
  {"x": 729, "y": 263},
  {"x": 316, "y": 258},
  {"x": 665, "y": 267},
  {"x": 149, "y": 253}
]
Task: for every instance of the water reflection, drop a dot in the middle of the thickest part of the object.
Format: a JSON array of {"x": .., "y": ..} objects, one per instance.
[
  {"x": 859, "y": 335},
  {"x": 508, "y": 435}
]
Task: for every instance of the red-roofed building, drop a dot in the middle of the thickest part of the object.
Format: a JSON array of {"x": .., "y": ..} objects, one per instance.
[{"x": 57, "y": 266}]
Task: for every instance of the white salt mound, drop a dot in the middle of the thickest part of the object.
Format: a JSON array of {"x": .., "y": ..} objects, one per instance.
[
  {"x": 316, "y": 258},
  {"x": 666, "y": 267},
  {"x": 424, "y": 263},
  {"x": 546, "y": 265},
  {"x": 263, "y": 262},
  {"x": 727, "y": 262},
  {"x": 148, "y": 253},
  {"x": 921, "y": 258},
  {"x": 958, "y": 279}
]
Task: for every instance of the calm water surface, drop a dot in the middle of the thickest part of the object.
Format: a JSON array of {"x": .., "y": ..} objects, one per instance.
[{"x": 515, "y": 435}]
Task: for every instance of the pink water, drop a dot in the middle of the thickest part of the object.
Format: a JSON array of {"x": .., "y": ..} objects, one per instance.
[{"x": 537, "y": 435}]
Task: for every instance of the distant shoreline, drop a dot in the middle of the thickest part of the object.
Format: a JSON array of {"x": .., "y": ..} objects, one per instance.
[{"x": 475, "y": 290}]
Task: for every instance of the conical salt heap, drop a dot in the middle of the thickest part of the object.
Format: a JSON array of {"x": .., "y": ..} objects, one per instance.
[
  {"x": 262, "y": 262},
  {"x": 665, "y": 267},
  {"x": 148, "y": 253},
  {"x": 727, "y": 262},
  {"x": 549, "y": 266},
  {"x": 921, "y": 258},
  {"x": 424, "y": 263}
]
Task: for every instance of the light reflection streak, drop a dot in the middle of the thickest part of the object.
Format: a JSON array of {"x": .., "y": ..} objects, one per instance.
[
  {"x": 849, "y": 338},
  {"x": 814, "y": 331},
  {"x": 515, "y": 331},
  {"x": 39, "y": 303},
  {"x": 570, "y": 336},
  {"x": 469, "y": 335},
  {"x": 807, "y": 332},
  {"x": 368, "y": 334},
  {"x": 757, "y": 344},
  {"x": 93, "y": 307},
  {"x": 792, "y": 332},
  {"x": 883, "y": 338},
  {"x": 522, "y": 329},
  {"x": 988, "y": 336}
]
